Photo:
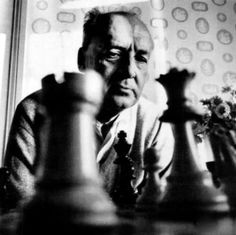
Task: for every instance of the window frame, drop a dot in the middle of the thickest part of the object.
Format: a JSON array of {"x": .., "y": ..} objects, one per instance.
[{"x": 13, "y": 68}]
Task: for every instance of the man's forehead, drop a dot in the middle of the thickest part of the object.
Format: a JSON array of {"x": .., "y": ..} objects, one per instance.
[
  {"x": 125, "y": 27},
  {"x": 142, "y": 36},
  {"x": 119, "y": 27}
]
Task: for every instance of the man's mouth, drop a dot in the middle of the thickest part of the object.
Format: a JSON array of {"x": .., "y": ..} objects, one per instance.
[
  {"x": 125, "y": 84},
  {"x": 124, "y": 87}
]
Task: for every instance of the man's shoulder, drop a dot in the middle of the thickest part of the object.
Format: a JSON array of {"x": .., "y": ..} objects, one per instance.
[
  {"x": 29, "y": 105},
  {"x": 33, "y": 98}
]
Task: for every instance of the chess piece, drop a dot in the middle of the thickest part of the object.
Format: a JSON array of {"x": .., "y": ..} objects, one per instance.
[
  {"x": 211, "y": 167},
  {"x": 189, "y": 190},
  {"x": 69, "y": 191},
  {"x": 124, "y": 194},
  {"x": 152, "y": 192},
  {"x": 224, "y": 149}
]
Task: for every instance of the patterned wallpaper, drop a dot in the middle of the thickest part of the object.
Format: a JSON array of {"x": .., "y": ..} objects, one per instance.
[{"x": 198, "y": 35}]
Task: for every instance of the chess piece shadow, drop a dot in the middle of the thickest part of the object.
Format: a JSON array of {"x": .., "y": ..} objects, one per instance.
[
  {"x": 189, "y": 192},
  {"x": 69, "y": 191}
]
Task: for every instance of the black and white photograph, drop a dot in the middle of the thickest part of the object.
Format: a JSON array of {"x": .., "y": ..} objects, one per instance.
[{"x": 118, "y": 117}]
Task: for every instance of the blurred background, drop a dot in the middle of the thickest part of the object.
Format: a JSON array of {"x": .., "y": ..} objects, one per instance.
[{"x": 38, "y": 37}]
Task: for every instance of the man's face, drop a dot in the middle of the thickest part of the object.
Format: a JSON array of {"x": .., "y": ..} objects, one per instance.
[{"x": 121, "y": 57}]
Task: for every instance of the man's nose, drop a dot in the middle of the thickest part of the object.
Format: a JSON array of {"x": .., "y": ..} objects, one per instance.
[{"x": 129, "y": 67}]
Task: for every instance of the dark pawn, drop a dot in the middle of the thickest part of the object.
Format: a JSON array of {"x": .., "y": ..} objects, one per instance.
[
  {"x": 124, "y": 194},
  {"x": 152, "y": 191}
]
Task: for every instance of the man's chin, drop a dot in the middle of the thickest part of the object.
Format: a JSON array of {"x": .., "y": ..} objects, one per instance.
[{"x": 122, "y": 102}]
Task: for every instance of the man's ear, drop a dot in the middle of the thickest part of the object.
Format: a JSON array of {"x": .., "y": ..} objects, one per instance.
[{"x": 81, "y": 59}]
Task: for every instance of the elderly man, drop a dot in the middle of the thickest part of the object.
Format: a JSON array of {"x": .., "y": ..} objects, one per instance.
[{"x": 118, "y": 45}]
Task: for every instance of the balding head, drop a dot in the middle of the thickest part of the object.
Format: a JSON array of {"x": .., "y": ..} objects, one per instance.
[{"x": 96, "y": 24}]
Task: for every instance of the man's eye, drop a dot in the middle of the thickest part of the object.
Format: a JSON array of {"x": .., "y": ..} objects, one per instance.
[
  {"x": 141, "y": 58},
  {"x": 113, "y": 55}
]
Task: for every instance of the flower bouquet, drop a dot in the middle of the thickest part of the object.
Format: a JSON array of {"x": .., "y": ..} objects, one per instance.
[
  {"x": 220, "y": 115},
  {"x": 218, "y": 124}
]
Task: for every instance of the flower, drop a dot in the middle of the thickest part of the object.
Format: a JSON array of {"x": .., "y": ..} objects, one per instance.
[
  {"x": 220, "y": 114},
  {"x": 222, "y": 110}
]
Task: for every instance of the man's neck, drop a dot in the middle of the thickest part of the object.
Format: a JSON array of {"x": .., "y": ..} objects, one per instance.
[{"x": 105, "y": 115}]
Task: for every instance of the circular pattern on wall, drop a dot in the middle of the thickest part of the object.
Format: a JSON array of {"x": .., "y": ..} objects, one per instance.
[
  {"x": 66, "y": 17},
  {"x": 227, "y": 57},
  {"x": 202, "y": 25},
  {"x": 224, "y": 37},
  {"x": 159, "y": 23},
  {"x": 41, "y": 26},
  {"x": 221, "y": 17},
  {"x": 205, "y": 46},
  {"x": 219, "y": 2},
  {"x": 158, "y": 5},
  {"x": 137, "y": 10},
  {"x": 182, "y": 34},
  {"x": 42, "y": 5},
  {"x": 207, "y": 67},
  {"x": 179, "y": 14},
  {"x": 229, "y": 78},
  {"x": 199, "y": 6},
  {"x": 184, "y": 55}
]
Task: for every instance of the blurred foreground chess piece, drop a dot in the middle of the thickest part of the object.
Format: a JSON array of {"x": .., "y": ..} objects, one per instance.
[
  {"x": 124, "y": 195},
  {"x": 190, "y": 191},
  {"x": 69, "y": 192},
  {"x": 152, "y": 191},
  {"x": 224, "y": 149}
]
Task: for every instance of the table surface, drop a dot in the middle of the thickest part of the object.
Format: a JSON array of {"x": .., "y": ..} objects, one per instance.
[{"x": 134, "y": 224}]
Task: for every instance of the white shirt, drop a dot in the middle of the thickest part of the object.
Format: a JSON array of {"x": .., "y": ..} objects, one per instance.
[{"x": 144, "y": 130}]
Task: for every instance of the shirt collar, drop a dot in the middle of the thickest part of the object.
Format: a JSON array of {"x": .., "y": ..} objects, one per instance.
[{"x": 125, "y": 120}]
